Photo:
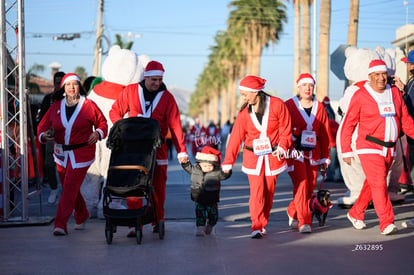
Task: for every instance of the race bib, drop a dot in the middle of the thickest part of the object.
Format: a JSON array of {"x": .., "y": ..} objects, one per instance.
[
  {"x": 308, "y": 139},
  {"x": 387, "y": 109},
  {"x": 262, "y": 146},
  {"x": 58, "y": 150}
]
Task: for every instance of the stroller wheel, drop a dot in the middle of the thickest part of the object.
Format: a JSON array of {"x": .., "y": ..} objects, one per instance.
[
  {"x": 138, "y": 230},
  {"x": 161, "y": 232},
  {"x": 108, "y": 232}
]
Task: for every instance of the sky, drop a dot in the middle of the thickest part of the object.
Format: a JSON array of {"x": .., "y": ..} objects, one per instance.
[{"x": 180, "y": 34}]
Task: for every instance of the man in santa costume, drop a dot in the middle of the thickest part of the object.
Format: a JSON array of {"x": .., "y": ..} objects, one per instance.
[
  {"x": 121, "y": 68},
  {"x": 381, "y": 114},
  {"x": 263, "y": 123},
  {"x": 150, "y": 98}
]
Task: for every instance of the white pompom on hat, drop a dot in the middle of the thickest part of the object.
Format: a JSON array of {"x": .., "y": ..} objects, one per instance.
[
  {"x": 154, "y": 68},
  {"x": 377, "y": 65},
  {"x": 69, "y": 77},
  {"x": 208, "y": 154},
  {"x": 305, "y": 78},
  {"x": 252, "y": 83}
]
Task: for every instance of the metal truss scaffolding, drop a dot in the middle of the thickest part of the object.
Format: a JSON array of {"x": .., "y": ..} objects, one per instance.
[{"x": 14, "y": 161}]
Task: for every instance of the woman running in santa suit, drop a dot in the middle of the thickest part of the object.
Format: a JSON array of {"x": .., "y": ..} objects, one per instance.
[
  {"x": 263, "y": 124},
  {"x": 77, "y": 124},
  {"x": 310, "y": 134}
]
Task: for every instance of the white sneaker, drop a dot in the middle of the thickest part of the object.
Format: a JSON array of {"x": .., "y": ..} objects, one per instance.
[
  {"x": 293, "y": 223},
  {"x": 59, "y": 231},
  {"x": 200, "y": 231},
  {"x": 53, "y": 196},
  {"x": 395, "y": 197},
  {"x": 256, "y": 234},
  {"x": 358, "y": 224},
  {"x": 408, "y": 223},
  {"x": 305, "y": 229},
  {"x": 264, "y": 232},
  {"x": 390, "y": 229},
  {"x": 80, "y": 226},
  {"x": 209, "y": 229}
]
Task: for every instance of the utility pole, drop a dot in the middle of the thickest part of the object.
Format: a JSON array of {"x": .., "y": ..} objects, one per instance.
[{"x": 98, "y": 42}]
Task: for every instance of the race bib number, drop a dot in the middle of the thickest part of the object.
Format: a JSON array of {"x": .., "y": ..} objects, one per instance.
[
  {"x": 262, "y": 146},
  {"x": 308, "y": 139},
  {"x": 58, "y": 150},
  {"x": 387, "y": 109}
]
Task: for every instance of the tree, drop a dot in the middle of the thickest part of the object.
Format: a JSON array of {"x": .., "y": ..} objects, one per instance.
[
  {"x": 252, "y": 25},
  {"x": 81, "y": 72},
  {"x": 34, "y": 70},
  {"x": 260, "y": 22},
  {"x": 324, "y": 34},
  {"x": 305, "y": 48},
  {"x": 296, "y": 68},
  {"x": 123, "y": 45},
  {"x": 353, "y": 23}
]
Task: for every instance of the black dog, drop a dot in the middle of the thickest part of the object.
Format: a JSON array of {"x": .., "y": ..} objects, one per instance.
[{"x": 319, "y": 205}]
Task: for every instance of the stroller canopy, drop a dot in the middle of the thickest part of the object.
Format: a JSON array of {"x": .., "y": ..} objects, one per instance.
[{"x": 134, "y": 130}]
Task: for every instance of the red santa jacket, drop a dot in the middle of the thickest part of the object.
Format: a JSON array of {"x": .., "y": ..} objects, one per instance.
[
  {"x": 317, "y": 122},
  {"x": 164, "y": 109},
  {"x": 76, "y": 130},
  {"x": 364, "y": 109},
  {"x": 275, "y": 125}
]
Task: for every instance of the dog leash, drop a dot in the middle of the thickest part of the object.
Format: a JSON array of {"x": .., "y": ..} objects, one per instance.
[{"x": 323, "y": 179}]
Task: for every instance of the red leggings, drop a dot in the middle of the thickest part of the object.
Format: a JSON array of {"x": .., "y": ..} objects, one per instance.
[
  {"x": 304, "y": 181},
  {"x": 262, "y": 189},
  {"x": 71, "y": 198}
]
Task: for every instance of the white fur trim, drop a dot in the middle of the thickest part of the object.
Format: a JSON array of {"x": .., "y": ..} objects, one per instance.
[
  {"x": 379, "y": 68},
  {"x": 306, "y": 80},
  {"x": 226, "y": 167},
  {"x": 154, "y": 73},
  {"x": 247, "y": 89},
  {"x": 182, "y": 155},
  {"x": 69, "y": 78},
  {"x": 206, "y": 157}
]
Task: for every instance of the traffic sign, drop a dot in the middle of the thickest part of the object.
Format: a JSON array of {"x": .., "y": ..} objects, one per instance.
[{"x": 338, "y": 61}]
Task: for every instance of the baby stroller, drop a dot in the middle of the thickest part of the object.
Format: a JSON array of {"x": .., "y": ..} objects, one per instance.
[{"x": 133, "y": 143}]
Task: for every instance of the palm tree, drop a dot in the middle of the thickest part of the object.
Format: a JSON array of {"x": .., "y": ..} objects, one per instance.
[
  {"x": 33, "y": 71},
  {"x": 121, "y": 43},
  {"x": 353, "y": 23},
  {"x": 296, "y": 68},
  {"x": 81, "y": 71},
  {"x": 252, "y": 24},
  {"x": 261, "y": 22},
  {"x": 305, "y": 51},
  {"x": 323, "y": 64}
]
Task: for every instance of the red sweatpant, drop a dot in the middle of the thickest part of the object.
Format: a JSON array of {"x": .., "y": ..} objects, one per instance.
[
  {"x": 158, "y": 183},
  {"x": 71, "y": 198},
  {"x": 262, "y": 189},
  {"x": 304, "y": 181},
  {"x": 375, "y": 189}
]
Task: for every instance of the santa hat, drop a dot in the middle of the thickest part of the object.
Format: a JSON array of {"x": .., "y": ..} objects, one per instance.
[
  {"x": 69, "y": 77},
  {"x": 305, "y": 78},
  {"x": 208, "y": 154},
  {"x": 252, "y": 84},
  {"x": 326, "y": 100},
  {"x": 154, "y": 68},
  {"x": 377, "y": 65}
]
